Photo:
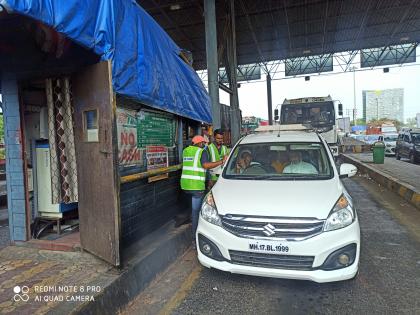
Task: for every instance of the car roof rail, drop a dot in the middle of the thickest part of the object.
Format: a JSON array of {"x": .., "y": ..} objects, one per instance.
[{"x": 291, "y": 127}]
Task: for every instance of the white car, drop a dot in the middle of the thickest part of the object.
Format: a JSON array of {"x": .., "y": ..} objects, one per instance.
[
  {"x": 296, "y": 223},
  {"x": 390, "y": 140}
]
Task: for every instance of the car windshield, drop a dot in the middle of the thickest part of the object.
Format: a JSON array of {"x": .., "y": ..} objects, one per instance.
[
  {"x": 316, "y": 113},
  {"x": 390, "y": 138},
  {"x": 279, "y": 161},
  {"x": 416, "y": 138}
]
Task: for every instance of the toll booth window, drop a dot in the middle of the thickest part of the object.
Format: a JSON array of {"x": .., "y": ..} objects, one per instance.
[{"x": 91, "y": 126}]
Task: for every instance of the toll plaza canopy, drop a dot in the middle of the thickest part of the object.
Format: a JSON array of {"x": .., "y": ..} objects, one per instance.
[
  {"x": 146, "y": 62},
  {"x": 269, "y": 30}
]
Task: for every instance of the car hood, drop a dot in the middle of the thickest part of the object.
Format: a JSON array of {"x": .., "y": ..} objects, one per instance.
[{"x": 299, "y": 198}]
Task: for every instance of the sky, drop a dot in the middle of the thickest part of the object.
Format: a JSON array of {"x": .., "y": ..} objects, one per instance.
[{"x": 253, "y": 95}]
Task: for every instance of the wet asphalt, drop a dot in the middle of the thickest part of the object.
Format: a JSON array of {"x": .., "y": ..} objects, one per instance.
[{"x": 388, "y": 281}]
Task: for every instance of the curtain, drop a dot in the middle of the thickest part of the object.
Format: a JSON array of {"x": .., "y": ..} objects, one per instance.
[{"x": 61, "y": 140}]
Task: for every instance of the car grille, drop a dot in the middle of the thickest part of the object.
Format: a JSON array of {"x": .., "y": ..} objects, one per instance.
[
  {"x": 276, "y": 228},
  {"x": 271, "y": 261}
]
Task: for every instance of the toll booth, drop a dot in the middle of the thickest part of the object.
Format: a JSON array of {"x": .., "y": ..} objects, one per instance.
[{"x": 96, "y": 116}]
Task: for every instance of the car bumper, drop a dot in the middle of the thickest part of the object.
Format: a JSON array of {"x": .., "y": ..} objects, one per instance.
[
  {"x": 320, "y": 247},
  {"x": 390, "y": 150}
]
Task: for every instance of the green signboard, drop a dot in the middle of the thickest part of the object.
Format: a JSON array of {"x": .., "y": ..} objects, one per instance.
[{"x": 155, "y": 129}]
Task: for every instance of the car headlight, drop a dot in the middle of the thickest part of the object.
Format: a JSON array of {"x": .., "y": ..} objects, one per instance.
[
  {"x": 341, "y": 215},
  {"x": 209, "y": 210}
]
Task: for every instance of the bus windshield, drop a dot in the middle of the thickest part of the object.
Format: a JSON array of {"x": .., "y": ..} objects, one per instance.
[{"x": 320, "y": 113}]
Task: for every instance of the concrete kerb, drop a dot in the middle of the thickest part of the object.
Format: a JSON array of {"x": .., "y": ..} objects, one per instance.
[
  {"x": 163, "y": 247},
  {"x": 405, "y": 190}
]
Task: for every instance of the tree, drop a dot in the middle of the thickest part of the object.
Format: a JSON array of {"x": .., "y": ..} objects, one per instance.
[
  {"x": 411, "y": 122},
  {"x": 359, "y": 121},
  {"x": 379, "y": 122}
]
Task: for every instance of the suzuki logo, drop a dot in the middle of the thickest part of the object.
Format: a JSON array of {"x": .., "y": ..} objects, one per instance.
[{"x": 269, "y": 230}]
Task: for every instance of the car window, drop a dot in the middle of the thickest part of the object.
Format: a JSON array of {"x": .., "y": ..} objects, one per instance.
[
  {"x": 276, "y": 161},
  {"x": 416, "y": 138},
  {"x": 390, "y": 138}
]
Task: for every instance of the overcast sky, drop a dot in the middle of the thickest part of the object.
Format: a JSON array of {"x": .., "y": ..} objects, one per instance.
[{"x": 253, "y": 96}]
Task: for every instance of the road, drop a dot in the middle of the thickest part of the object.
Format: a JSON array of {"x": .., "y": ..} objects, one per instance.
[{"x": 388, "y": 282}]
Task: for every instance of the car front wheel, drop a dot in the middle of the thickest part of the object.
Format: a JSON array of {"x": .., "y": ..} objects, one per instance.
[{"x": 412, "y": 159}]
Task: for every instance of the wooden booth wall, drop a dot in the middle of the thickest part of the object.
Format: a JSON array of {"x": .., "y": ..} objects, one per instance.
[{"x": 146, "y": 201}]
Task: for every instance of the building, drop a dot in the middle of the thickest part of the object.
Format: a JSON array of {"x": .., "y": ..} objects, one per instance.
[{"x": 379, "y": 104}]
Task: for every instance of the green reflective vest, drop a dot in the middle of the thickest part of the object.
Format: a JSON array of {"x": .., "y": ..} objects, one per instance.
[
  {"x": 215, "y": 156},
  {"x": 193, "y": 174}
]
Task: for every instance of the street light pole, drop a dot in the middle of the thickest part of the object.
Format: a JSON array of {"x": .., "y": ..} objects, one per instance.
[{"x": 354, "y": 94}]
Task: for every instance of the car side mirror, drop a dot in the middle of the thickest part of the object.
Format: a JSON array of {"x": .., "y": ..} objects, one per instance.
[{"x": 347, "y": 170}]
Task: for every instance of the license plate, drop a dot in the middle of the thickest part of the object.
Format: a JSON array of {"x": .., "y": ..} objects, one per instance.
[{"x": 268, "y": 247}]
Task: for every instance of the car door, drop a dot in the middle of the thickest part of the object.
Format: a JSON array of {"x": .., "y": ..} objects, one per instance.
[{"x": 407, "y": 143}]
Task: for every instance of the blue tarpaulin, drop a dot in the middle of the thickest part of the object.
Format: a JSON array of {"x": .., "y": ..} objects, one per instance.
[{"x": 145, "y": 61}]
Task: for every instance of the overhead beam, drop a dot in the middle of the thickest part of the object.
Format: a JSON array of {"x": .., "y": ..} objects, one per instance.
[
  {"x": 254, "y": 36},
  {"x": 178, "y": 29}
]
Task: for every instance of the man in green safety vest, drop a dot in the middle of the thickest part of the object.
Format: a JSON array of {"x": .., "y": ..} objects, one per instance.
[
  {"x": 195, "y": 162},
  {"x": 217, "y": 151}
]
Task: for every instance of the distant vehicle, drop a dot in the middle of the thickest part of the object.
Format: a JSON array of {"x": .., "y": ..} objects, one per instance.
[
  {"x": 390, "y": 141},
  {"x": 373, "y": 130},
  {"x": 295, "y": 222},
  {"x": 316, "y": 111},
  {"x": 358, "y": 137},
  {"x": 382, "y": 129},
  {"x": 361, "y": 137},
  {"x": 408, "y": 144},
  {"x": 388, "y": 128},
  {"x": 371, "y": 139}
]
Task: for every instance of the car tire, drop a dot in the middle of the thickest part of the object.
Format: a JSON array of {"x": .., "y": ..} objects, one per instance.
[
  {"x": 412, "y": 159},
  {"x": 397, "y": 155}
]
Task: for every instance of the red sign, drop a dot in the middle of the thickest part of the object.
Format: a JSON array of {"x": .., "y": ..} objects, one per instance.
[{"x": 157, "y": 157}]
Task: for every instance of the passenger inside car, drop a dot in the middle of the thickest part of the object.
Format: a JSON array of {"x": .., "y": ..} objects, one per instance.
[
  {"x": 279, "y": 160},
  {"x": 298, "y": 166}
]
